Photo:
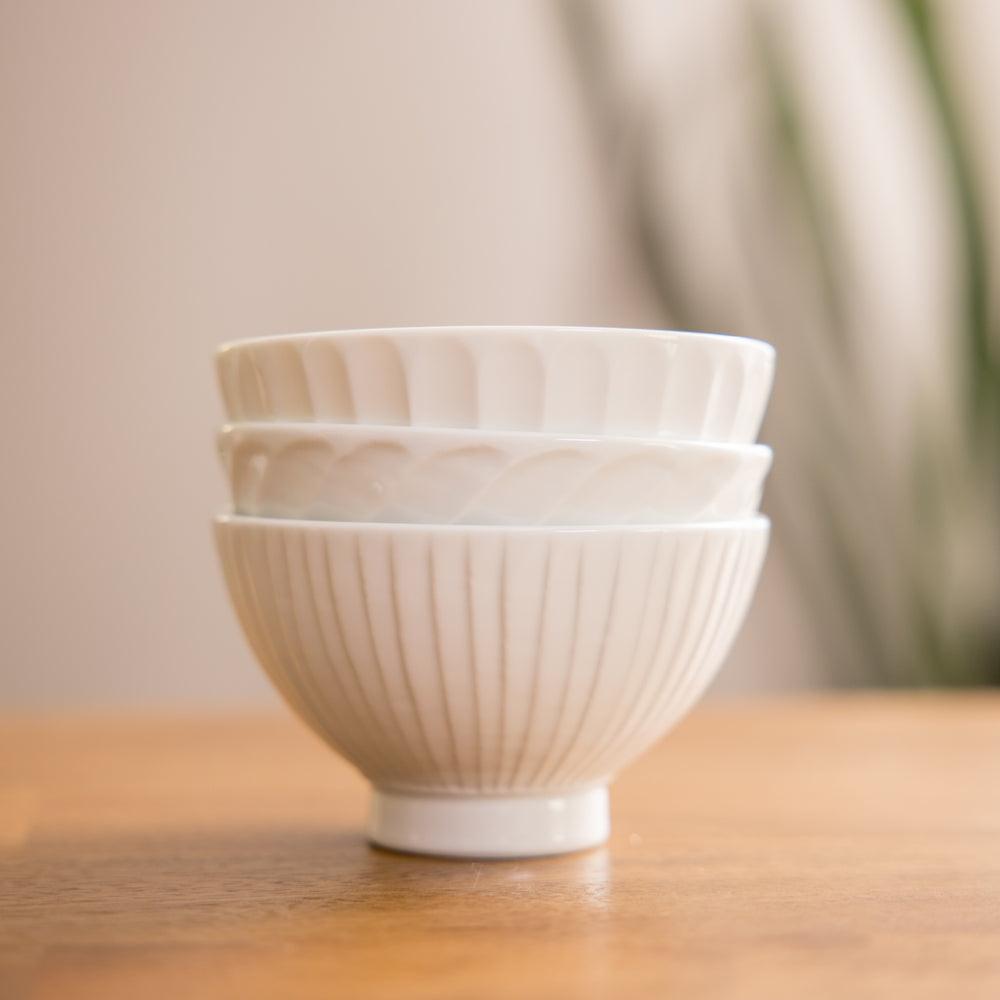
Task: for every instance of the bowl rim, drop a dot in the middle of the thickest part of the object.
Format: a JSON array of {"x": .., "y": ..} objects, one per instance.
[
  {"x": 756, "y": 524},
  {"x": 747, "y": 343},
  {"x": 323, "y": 428}
]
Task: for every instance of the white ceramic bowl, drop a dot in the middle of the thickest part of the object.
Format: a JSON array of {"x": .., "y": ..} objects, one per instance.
[
  {"x": 570, "y": 380},
  {"x": 490, "y": 681},
  {"x": 434, "y": 475}
]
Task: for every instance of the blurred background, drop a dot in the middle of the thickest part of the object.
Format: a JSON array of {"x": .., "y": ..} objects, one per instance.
[{"x": 816, "y": 174}]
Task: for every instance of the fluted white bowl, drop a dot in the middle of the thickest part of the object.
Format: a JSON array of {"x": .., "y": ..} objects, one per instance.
[
  {"x": 645, "y": 383},
  {"x": 490, "y": 681},
  {"x": 433, "y": 475}
]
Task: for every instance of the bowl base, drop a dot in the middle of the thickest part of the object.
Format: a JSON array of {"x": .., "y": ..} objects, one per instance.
[{"x": 489, "y": 826}]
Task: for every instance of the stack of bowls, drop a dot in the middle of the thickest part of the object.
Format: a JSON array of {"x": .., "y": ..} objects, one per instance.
[{"x": 491, "y": 566}]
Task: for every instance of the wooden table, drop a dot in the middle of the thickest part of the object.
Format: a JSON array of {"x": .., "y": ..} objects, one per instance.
[{"x": 840, "y": 846}]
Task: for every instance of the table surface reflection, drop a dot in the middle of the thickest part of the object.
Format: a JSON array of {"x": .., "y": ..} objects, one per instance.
[{"x": 830, "y": 846}]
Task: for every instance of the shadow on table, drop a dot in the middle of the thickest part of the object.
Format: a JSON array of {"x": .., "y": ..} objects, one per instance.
[{"x": 216, "y": 882}]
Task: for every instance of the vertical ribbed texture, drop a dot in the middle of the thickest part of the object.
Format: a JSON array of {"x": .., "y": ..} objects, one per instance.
[
  {"x": 624, "y": 685},
  {"x": 669, "y": 615},
  {"x": 673, "y": 671},
  {"x": 329, "y": 382},
  {"x": 323, "y": 633},
  {"x": 251, "y": 618},
  {"x": 560, "y": 669},
  {"x": 536, "y": 677},
  {"x": 477, "y": 713},
  {"x": 261, "y": 584},
  {"x": 421, "y": 717},
  {"x": 503, "y": 691},
  {"x": 378, "y": 379},
  {"x": 558, "y": 759},
  {"x": 642, "y": 386},
  {"x": 371, "y": 661},
  {"x": 323, "y": 686},
  {"x": 489, "y": 660},
  {"x": 457, "y": 770}
]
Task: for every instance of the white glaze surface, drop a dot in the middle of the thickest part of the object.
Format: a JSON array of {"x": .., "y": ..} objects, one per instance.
[
  {"x": 442, "y": 475},
  {"x": 490, "y": 661},
  {"x": 499, "y": 826},
  {"x": 564, "y": 379}
]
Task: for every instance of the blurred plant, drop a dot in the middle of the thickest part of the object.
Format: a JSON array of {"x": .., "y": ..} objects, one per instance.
[{"x": 897, "y": 545}]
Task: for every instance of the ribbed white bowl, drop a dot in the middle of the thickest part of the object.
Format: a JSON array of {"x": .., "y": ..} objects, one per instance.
[
  {"x": 564, "y": 379},
  {"x": 473, "y": 673},
  {"x": 433, "y": 475}
]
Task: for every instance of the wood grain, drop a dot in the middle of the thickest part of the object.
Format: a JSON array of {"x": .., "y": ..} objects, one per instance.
[{"x": 842, "y": 846}]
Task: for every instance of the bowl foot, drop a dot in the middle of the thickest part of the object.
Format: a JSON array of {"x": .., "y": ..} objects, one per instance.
[{"x": 489, "y": 826}]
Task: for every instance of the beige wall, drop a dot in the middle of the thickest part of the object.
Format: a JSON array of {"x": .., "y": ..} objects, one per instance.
[{"x": 178, "y": 174}]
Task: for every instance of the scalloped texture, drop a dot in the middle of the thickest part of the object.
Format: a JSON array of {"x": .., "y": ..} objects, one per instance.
[
  {"x": 676, "y": 385},
  {"x": 435, "y": 476},
  {"x": 490, "y": 661}
]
